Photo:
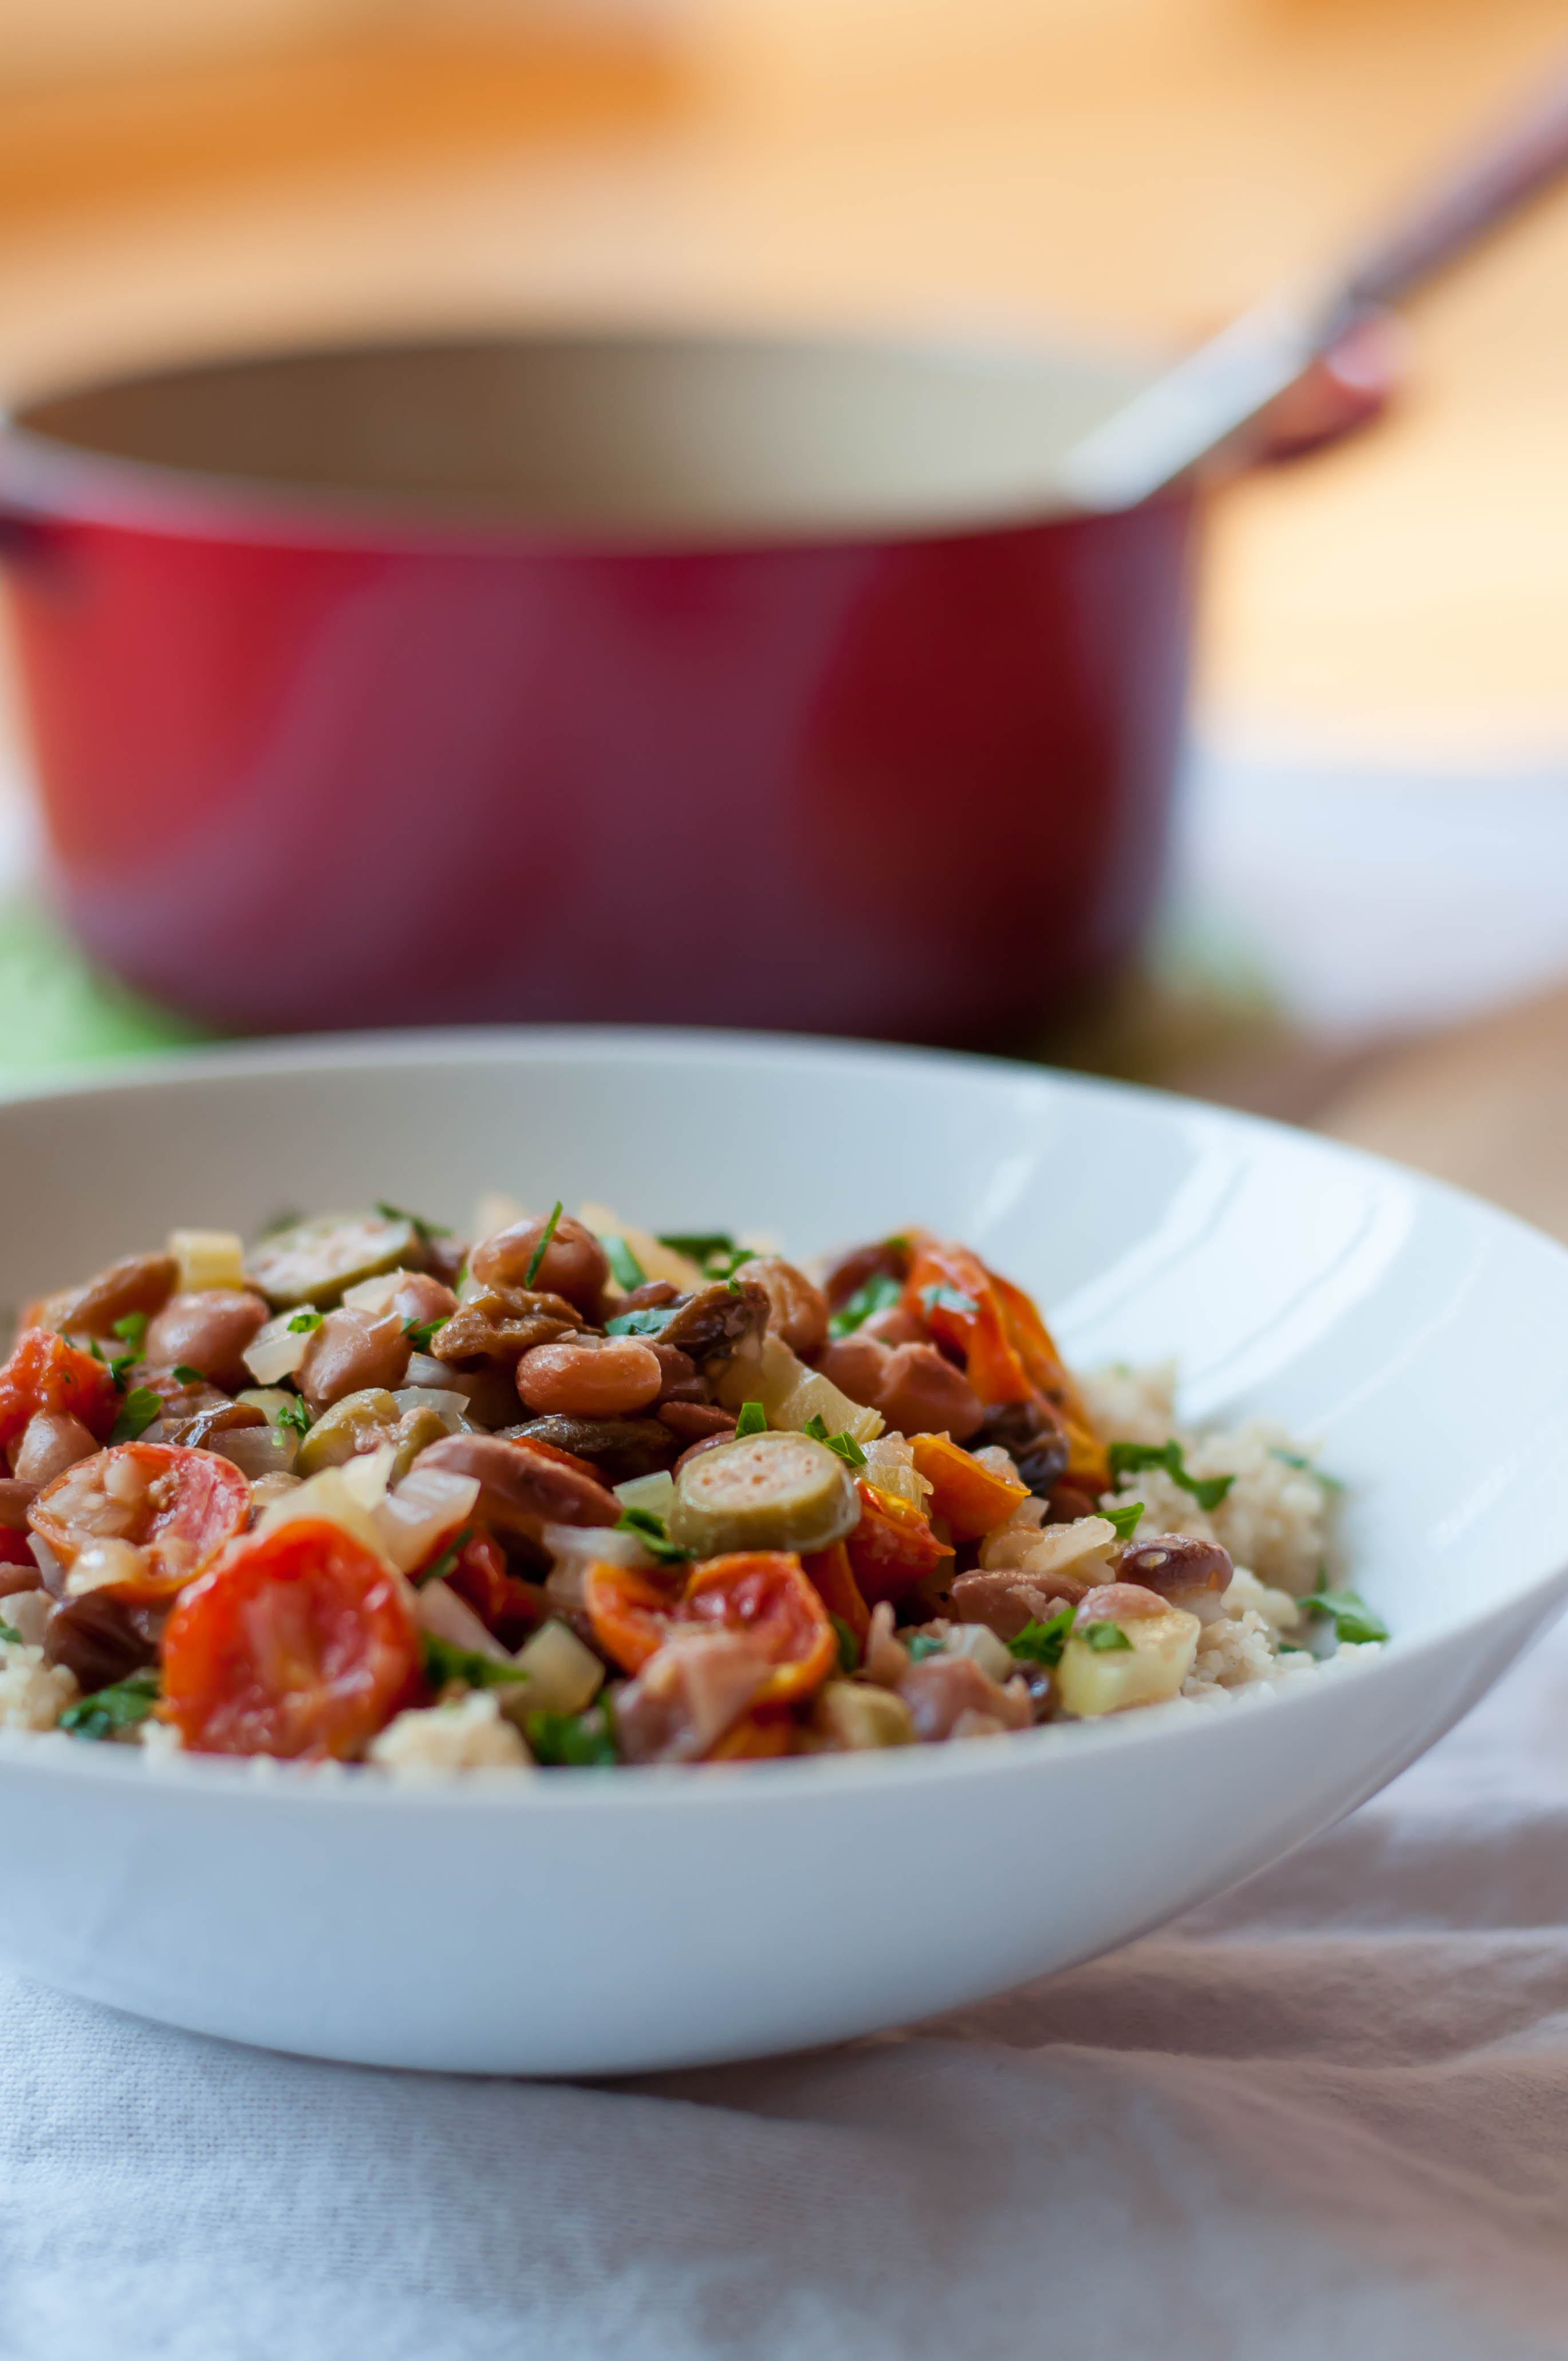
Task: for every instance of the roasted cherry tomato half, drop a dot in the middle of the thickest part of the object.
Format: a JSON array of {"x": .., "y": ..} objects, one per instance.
[
  {"x": 763, "y": 1595},
  {"x": 302, "y": 1642},
  {"x": 832, "y": 1577},
  {"x": 46, "y": 1373},
  {"x": 969, "y": 1499},
  {"x": 631, "y": 1613},
  {"x": 754, "y": 1738},
  {"x": 504, "y": 1603},
  {"x": 893, "y": 1547},
  {"x": 179, "y": 1508}
]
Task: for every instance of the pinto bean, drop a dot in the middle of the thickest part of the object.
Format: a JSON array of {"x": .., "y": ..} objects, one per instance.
[
  {"x": 1008, "y": 1598},
  {"x": 16, "y": 1496},
  {"x": 573, "y": 1264},
  {"x": 349, "y": 1353},
  {"x": 893, "y": 1326},
  {"x": 714, "y": 1321},
  {"x": 1186, "y": 1571},
  {"x": 921, "y": 1393},
  {"x": 100, "y": 1639},
  {"x": 696, "y": 1421},
  {"x": 857, "y": 1365},
  {"x": 1033, "y": 1440},
  {"x": 52, "y": 1442},
  {"x": 421, "y": 1298},
  {"x": 522, "y": 1489},
  {"x": 589, "y": 1377},
  {"x": 616, "y": 1448},
  {"x": 682, "y": 1382},
  {"x": 208, "y": 1331},
  {"x": 138, "y": 1283},
  {"x": 650, "y": 1297},
  {"x": 797, "y": 1308}
]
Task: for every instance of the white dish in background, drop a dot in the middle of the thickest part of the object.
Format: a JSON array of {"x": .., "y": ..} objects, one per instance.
[{"x": 595, "y": 1923}]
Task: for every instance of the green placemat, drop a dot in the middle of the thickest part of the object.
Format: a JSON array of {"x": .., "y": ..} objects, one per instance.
[{"x": 58, "y": 1009}]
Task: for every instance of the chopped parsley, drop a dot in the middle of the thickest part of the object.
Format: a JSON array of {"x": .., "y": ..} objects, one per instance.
[
  {"x": 1042, "y": 1643},
  {"x": 879, "y": 1293},
  {"x": 9, "y": 1631},
  {"x": 131, "y": 1331},
  {"x": 1310, "y": 1467},
  {"x": 187, "y": 1376},
  {"x": 941, "y": 1297},
  {"x": 753, "y": 1420},
  {"x": 446, "y": 1562},
  {"x": 122, "y": 1707},
  {"x": 924, "y": 1644},
  {"x": 573, "y": 1742},
  {"x": 1104, "y": 1638},
  {"x": 848, "y": 1449},
  {"x": 849, "y": 1646},
  {"x": 543, "y": 1248},
  {"x": 715, "y": 1252},
  {"x": 444, "y": 1663},
  {"x": 1132, "y": 1458},
  {"x": 424, "y": 1230},
  {"x": 624, "y": 1267},
  {"x": 1348, "y": 1612},
  {"x": 1125, "y": 1518},
  {"x": 654, "y": 1535},
  {"x": 295, "y": 1415},
  {"x": 419, "y": 1332},
  {"x": 304, "y": 1323},
  {"x": 645, "y": 1322},
  {"x": 137, "y": 1411}
]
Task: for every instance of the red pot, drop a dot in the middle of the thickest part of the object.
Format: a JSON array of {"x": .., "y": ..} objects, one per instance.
[{"x": 640, "y": 678}]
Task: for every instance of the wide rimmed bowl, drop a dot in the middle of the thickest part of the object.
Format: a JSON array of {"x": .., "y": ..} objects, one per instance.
[{"x": 603, "y": 1922}]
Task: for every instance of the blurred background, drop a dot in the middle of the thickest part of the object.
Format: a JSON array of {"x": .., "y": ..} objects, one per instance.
[{"x": 1368, "y": 925}]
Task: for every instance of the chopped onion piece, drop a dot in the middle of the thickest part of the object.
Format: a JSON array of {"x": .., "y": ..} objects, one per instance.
[
  {"x": 276, "y": 1351},
  {"x": 452, "y": 1408},
  {"x": 257, "y": 1450},
  {"x": 451, "y": 1618},
  {"x": 27, "y": 1612},
  {"x": 576, "y": 1547},
  {"x": 426, "y": 1509},
  {"x": 207, "y": 1258},
  {"x": 369, "y": 1473},
  {"x": 328, "y": 1496},
  {"x": 374, "y": 1295},
  {"x": 103, "y": 1563},
  {"x": 49, "y": 1566},
  {"x": 562, "y": 1674},
  {"x": 656, "y": 1492}
]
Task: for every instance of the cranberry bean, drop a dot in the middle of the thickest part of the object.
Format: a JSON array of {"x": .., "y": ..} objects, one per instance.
[
  {"x": 1120, "y": 1602},
  {"x": 893, "y": 1326},
  {"x": 52, "y": 1442},
  {"x": 350, "y": 1352},
  {"x": 523, "y": 1489},
  {"x": 649, "y": 1297},
  {"x": 850, "y": 1272},
  {"x": 696, "y": 1421},
  {"x": 1006, "y": 1599},
  {"x": 573, "y": 1264},
  {"x": 100, "y": 1637},
  {"x": 15, "y": 1499},
  {"x": 207, "y": 1331},
  {"x": 921, "y": 1393},
  {"x": 420, "y": 1299},
  {"x": 1179, "y": 1567},
  {"x": 682, "y": 1383},
  {"x": 138, "y": 1283},
  {"x": 797, "y": 1310},
  {"x": 704, "y": 1442},
  {"x": 589, "y": 1377},
  {"x": 857, "y": 1365}
]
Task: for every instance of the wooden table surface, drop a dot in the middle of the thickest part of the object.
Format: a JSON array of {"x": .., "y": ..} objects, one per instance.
[{"x": 1133, "y": 170}]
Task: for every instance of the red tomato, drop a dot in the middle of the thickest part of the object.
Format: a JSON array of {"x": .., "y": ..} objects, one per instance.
[
  {"x": 753, "y": 1738},
  {"x": 950, "y": 1290},
  {"x": 763, "y": 1595},
  {"x": 179, "y": 1507},
  {"x": 893, "y": 1547},
  {"x": 832, "y": 1577},
  {"x": 302, "y": 1642},
  {"x": 630, "y": 1613},
  {"x": 503, "y": 1602},
  {"x": 46, "y": 1373}
]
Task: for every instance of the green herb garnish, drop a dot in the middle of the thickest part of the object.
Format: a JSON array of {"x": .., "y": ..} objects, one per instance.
[
  {"x": 654, "y": 1535},
  {"x": 924, "y": 1644},
  {"x": 1348, "y": 1612},
  {"x": 419, "y": 1332},
  {"x": 715, "y": 1252},
  {"x": 848, "y": 1449},
  {"x": 753, "y": 1420},
  {"x": 1125, "y": 1520},
  {"x": 1132, "y": 1458},
  {"x": 542, "y": 1249},
  {"x": 122, "y": 1707},
  {"x": 573, "y": 1741},
  {"x": 132, "y": 1330},
  {"x": 1042, "y": 1643},
  {"x": 446, "y": 1562},
  {"x": 137, "y": 1411},
  {"x": 295, "y": 1415},
  {"x": 624, "y": 1267},
  {"x": 304, "y": 1323},
  {"x": 187, "y": 1376},
  {"x": 849, "y": 1646},
  {"x": 645, "y": 1322},
  {"x": 879, "y": 1293},
  {"x": 424, "y": 1230},
  {"x": 1104, "y": 1638},
  {"x": 939, "y": 1297},
  {"x": 1310, "y": 1467},
  {"x": 9, "y": 1631},
  {"x": 444, "y": 1663}
]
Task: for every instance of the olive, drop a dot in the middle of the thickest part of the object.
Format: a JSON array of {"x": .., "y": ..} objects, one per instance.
[
  {"x": 353, "y": 1424},
  {"x": 619, "y": 1448},
  {"x": 1033, "y": 1439}
]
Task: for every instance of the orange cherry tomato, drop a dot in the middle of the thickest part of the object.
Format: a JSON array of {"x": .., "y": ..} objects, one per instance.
[
  {"x": 753, "y": 1738},
  {"x": 951, "y": 1291},
  {"x": 893, "y": 1547},
  {"x": 1087, "y": 1465},
  {"x": 630, "y": 1613},
  {"x": 763, "y": 1595},
  {"x": 502, "y": 1600},
  {"x": 302, "y": 1642},
  {"x": 179, "y": 1506},
  {"x": 46, "y": 1373},
  {"x": 968, "y": 1497},
  {"x": 832, "y": 1577}
]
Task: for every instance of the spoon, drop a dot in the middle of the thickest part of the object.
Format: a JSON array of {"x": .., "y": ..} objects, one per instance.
[{"x": 1193, "y": 410}]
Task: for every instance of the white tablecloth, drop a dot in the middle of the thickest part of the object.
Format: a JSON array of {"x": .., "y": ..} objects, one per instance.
[{"x": 1326, "y": 2115}]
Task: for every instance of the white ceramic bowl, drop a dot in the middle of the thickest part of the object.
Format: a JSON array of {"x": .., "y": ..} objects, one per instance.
[{"x": 600, "y": 1922}]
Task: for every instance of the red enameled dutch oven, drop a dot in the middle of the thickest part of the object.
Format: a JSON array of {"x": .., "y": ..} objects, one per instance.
[{"x": 640, "y": 677}]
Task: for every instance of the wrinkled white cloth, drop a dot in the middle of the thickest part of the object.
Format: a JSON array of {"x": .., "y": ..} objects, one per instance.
[{"x": 1327, "y": 2113}]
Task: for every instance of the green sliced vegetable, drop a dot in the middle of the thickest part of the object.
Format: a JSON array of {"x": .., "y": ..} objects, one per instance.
[
  {"x": 137, "y": 1411},
  {"x": 543, "y": 1248},
  {"x": 752, "y": 1418},
  {"x": 769, "y": 1491},
  {"x": 624, "y": 1267},
  {"x": 1042, "y": 1643},
  {"x": 311, "y": 1264},
  {"x": 848, "y": 1449},
  {"x": 444, "y": 1663},
  {"x": 1132, "y": 1458},
  {"x": 573, "y": 1741},
  {"x": 879, "y": 1293},
  {"x": 122, "y": 1707}
]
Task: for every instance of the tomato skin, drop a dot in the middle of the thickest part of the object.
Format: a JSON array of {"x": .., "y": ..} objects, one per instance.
[
  {"x": 968, "y": 1497},
  {"x": 892, "y": 1548},
  {"x": 630, "y": 1613},
  {"x": 755, "y": 1738},
  {"x": 764, "y": 1595},
  {"x": 965, "y": 1314},
  {"x": 46, "y": 1373},
  {"x": 832, "y": 1576},
  {"x": 300, "y": 1642},
  {"x": 208, "y": 1506},
  {"x": 504, "y": 1603}
]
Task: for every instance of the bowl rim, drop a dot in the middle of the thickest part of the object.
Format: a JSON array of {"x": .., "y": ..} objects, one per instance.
[{"x": 772, "y": 1783}]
